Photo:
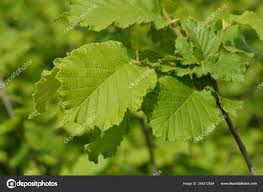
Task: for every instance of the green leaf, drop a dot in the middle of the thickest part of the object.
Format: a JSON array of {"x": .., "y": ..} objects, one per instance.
[
  {"x": 167, "y": 68},
  {"x": 234, "y": 41},
  {"x": 231, "y": 106},
  {"x": 84, "y": 167},
  {"x": 108, "y": 143},
  {"x": 99, "y": 14},
  {"x": 150, "y": 101},
  {"x": 46, "y": 89},
  {"x": 185, "y": 49},
  {"x": 180, "y": 72},
  {"x": 227, "y": 67},
  {"x": 203, "y": 38},
  {"x": 99, "y": 83},
  {"x": 252, "y": 19},
  {"x": 183, "y": 113}
]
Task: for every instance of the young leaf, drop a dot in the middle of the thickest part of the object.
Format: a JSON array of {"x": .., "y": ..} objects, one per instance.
[
  {"x": 234, "y": 41},
  {"x": 203, "y": 38},
  {"x": 183, "y": 113},
  {"x": 99, "y": 14},
  {"x": 180, "y": 72},
  {"x": 185, "y": 49},
  {"x": 46, "y": 89},
  {"x": 98, "y": 82},
  {"x": 227, "y": 67}
]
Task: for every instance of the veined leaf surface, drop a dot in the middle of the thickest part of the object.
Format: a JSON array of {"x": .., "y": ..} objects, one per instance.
[
  {"x": 203, "y": 37},
  {"x": 46, "y": 89},
  {"x": 99, "y": 14},
  {"x": 183, "y": 113},
  {"x": 96, "y": 84},
  {"x": 227, "y": 67}
]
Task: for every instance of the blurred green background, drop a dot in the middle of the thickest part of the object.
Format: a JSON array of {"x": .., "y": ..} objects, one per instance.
[{"x": 33, "y": 30}]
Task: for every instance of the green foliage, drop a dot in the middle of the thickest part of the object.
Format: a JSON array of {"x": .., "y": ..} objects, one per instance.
[
  {"x": 46, "y": 89},
  {"x": 234, "y": 41},
  {"x": 122, "y": 13},
  {"x": 183, "y": 113},
  {"x": 107, "y": 144},
  {"x": 204, "y": 38},
  {"x": 252, "y": 19},
  {"x": 116, "y": 62},
  {"x": 185, "y": 49},
  {"x": 231, "y": 106},
  {"x": 97, "y": 82},
  {"x": 226, "y": 66}
]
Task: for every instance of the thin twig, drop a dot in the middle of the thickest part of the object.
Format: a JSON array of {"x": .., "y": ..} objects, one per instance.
[
  {"x": 234, "y": 132},
  {"x": 6, "y": 101},
  {"x": 238, "y": 139},
  {"x": 136, "y": 61},
  {"x": 147, "y": 135},
  {"x": 171, "y": 22},
  {"x": 149, "y": 144},
  {"x": 137, "y": 56}
]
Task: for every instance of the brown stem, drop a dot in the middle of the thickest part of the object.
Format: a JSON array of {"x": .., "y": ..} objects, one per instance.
[
  {"x": 149, "y": 144},
  {"x": 234, "y": 132}
]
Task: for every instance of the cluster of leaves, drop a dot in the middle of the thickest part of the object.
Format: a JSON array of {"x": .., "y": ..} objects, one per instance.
[
  {"x": 94, "y": 80},
  {"x": 30, "y": 30}
]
